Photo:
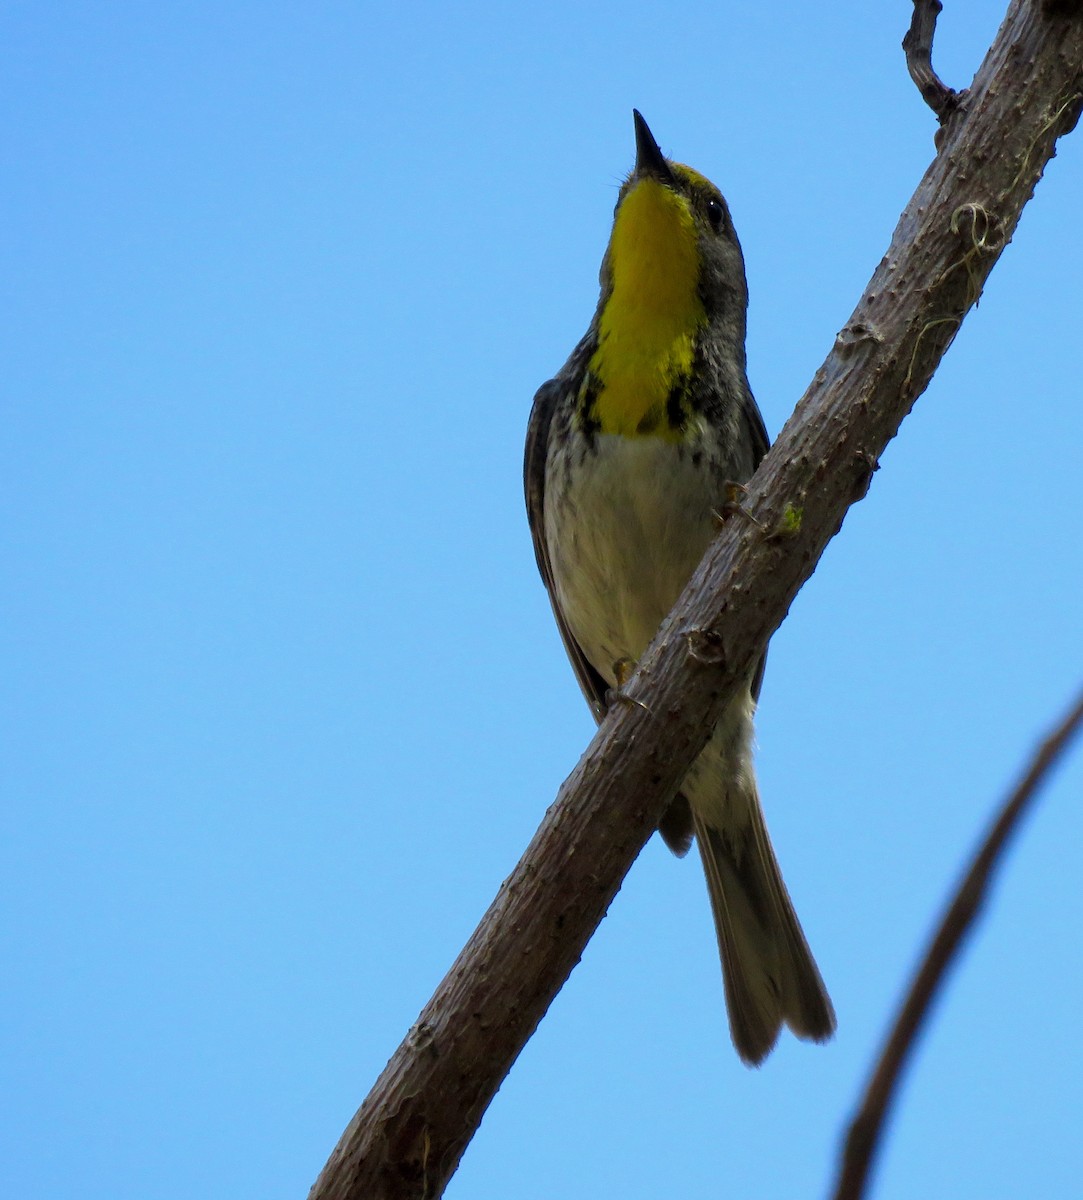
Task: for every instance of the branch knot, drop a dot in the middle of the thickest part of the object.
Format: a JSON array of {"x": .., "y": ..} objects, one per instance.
[{"x": 705, "y": 646}]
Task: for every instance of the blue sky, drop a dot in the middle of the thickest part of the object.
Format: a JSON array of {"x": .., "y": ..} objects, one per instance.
[{"x": 283, "y": 699}]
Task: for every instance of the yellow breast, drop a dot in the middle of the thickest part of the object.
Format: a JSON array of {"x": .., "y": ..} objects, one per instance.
[{"x": 647, "y": 331}]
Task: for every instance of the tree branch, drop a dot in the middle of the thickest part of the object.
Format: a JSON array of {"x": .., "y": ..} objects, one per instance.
[
  {"x": 408, "y": 1136},
  {"x": 918, "y": 45},
  {"x": 866, "y": 1129}
]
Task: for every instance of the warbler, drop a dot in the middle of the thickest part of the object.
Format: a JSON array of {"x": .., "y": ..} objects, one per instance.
[{"x": 632, "y": 452}]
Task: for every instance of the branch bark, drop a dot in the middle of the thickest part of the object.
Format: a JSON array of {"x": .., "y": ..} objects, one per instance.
[
  {"x": 408, "y": 1136},
  {"x": 866, "y": 1129}
]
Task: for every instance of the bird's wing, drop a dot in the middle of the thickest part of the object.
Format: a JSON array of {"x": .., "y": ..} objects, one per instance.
[
  {"x": 757, "y": 431},
  {"x": 761, "y": 443},
  {"x": 537, "y": 449}
]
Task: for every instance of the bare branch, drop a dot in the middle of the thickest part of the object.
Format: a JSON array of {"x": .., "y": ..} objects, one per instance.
[
  {"x": 918, "y": 45},
  {"x": 866, "y": 1129},
  {"x": 406, "y": 1139}
]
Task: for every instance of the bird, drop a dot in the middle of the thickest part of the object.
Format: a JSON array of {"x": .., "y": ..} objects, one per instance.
[{"x": 633, "y": 450}]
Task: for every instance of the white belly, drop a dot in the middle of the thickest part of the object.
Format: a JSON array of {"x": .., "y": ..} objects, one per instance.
[{"x": 626, "y": 540}]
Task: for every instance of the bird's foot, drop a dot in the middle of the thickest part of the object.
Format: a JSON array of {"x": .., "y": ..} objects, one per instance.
[
  {"x": 733, "y": 506},
  {"x": 623, "y": 670}
]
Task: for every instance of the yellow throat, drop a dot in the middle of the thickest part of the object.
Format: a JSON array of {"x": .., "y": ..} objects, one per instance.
[{"x": 646, "y": 336}]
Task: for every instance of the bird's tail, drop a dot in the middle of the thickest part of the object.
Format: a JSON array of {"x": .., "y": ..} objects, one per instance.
[{"x": 768, "y": 971}]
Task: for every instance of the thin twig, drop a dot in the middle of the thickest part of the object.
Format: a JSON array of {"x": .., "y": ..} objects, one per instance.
[
  {"x": 866, "y": 1130},
  {"x": 918, "y": 45}
]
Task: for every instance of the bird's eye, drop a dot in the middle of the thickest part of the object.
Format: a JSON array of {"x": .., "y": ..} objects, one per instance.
[{"x": 715, "y": 214}]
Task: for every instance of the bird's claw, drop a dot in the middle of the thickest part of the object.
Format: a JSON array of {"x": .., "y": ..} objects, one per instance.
[
  {"x": 623, "y": 669},
  {"x": 733, "y": 506}
]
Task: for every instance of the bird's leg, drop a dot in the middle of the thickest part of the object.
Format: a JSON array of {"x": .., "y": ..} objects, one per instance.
[
  {"x": 623, "y": 670},
  {"x": 732, "y": 506}
]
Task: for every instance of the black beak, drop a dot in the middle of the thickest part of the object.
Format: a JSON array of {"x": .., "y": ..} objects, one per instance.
[{"x": 649, "y": 159}]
